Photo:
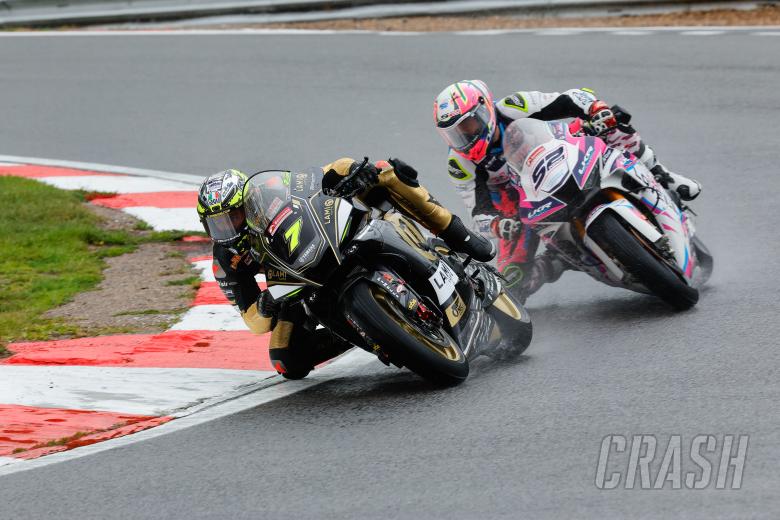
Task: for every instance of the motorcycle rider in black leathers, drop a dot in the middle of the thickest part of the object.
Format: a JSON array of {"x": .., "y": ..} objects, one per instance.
[{"x": 296, "y": 346}]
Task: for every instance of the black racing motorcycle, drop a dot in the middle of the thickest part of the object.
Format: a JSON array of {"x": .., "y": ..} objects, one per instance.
[{"x": 372, "y": 278}]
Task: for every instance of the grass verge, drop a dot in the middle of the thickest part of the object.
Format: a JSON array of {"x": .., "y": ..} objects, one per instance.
[{"x": 51, "y": 248}]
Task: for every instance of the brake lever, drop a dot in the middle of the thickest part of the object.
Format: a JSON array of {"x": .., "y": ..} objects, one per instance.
[
  {"x": 336, "y": 190},
  {"x": 344, "y": 182}
]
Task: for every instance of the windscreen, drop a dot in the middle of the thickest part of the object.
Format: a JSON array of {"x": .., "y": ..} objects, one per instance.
[
  {"x": 522, "y": 137},
  {"x": 265, "y": 194}
]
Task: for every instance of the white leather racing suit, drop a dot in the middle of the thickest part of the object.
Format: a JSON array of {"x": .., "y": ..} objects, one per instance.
[{"x": 488, "y": 188}]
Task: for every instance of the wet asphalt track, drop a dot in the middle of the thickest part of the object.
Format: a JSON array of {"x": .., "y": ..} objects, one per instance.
[{"x": 517, "y": 440}]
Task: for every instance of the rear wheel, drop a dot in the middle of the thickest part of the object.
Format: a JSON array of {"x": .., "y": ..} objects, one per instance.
[
  {"x": 430, "y": 353},
  {"x": 640, "y": 261}
]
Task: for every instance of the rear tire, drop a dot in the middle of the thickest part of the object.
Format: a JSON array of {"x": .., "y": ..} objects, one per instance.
[
  {"x": 515, "y": 325},
  {"x": 435, "y": 357},
  {"x": 706, "y": 261},
  {"x": 641, "y": 263}
]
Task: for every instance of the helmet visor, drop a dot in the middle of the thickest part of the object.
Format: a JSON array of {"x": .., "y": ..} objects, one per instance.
[
  {"x": 225, "y": 226},
  {"x": 469, "y": 129}
]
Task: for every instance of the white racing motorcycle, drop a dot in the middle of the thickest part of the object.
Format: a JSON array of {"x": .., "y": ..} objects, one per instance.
[{"x": 605, "y": 213}]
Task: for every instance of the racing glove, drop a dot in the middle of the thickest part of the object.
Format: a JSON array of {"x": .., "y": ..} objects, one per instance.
[
  {"x": 601, "y": 119},
  {"x": 361, "y": 177},
  {"x": 506, "y": 228},
  {"x": 406, "y": 173},
  {"x": 268, "y": 307}
]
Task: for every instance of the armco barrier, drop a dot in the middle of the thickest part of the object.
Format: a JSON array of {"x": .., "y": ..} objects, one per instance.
[{"x": 42, "y": 13}]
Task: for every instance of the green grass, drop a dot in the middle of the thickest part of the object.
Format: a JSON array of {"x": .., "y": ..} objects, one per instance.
[
  {"x": 51, "y": 248},
  {"x": 144, "y": 312},
  {"x": 142, "y": 226},
  {"x": 193, "y": 281}
]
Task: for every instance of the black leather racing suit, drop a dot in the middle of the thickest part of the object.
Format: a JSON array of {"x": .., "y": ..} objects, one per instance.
[{"x": 235, "y": 273}]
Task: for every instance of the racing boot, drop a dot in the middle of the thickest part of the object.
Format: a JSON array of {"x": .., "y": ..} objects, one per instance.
[
  {"x": 465, "y": 241},
  {"x": 678, "y": 185},
  {"x": 305, "y": 351},
  {"x": 545, "y": 268},
  {"x": 687, "y": 189}
]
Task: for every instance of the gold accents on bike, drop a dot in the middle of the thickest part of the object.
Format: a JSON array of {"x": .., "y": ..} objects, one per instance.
[
  {"x": 456, "y": 310},
  {"x": 408, "y": 231}
]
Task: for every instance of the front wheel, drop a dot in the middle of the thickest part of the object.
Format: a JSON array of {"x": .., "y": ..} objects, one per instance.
[
  {"x": 430, "y": 353},
  {"x": 631, "y": 252}
]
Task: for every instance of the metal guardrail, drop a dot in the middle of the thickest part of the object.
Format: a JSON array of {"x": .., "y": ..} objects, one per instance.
[
  {"x": 48, "y": 13},
  {"x": 16, "y": 13}
]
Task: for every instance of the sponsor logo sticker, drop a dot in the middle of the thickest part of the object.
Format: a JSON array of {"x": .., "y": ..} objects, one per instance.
[
  {"x": 541, "y": 209},
  {"x": 534, "y": 155},
  {"x": 277, "y": 221}
]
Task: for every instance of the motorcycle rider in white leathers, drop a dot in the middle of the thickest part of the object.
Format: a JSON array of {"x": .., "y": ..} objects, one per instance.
[{"x": 473, "y": 124}]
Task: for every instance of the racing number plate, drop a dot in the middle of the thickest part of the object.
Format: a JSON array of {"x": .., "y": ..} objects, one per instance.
[{"x": 443, "y": 282}]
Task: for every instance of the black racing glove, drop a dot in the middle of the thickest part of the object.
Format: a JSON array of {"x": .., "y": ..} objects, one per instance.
[
  {"x": 406, "y": 173},
  {"x": 362, "y": 177},
  {"x": 268, "y": 307}
]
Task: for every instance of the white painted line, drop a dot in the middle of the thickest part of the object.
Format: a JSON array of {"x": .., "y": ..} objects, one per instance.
[
  {"x": 399, "y": 33},
  {"x": 270, "y": 391},
  {"x": 632, "y": 33},
  {"x": 145, "y": 391},
  {"x": 8, "y": 460},
  {"x": 162, "y": 219},
  {"x": 210, "y": 317},
  {"x": 206, "y": 270},
  {"x": 559, "y": 32},
  {"x": 766, "y": 33},
  {"x": 701, "y": 33},
  {"x": 190, "y": 180},
  {"x": 115, "y": 183}
]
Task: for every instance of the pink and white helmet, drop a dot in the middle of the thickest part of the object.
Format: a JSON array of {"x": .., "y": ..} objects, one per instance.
[{"x": 466, "y": 118}]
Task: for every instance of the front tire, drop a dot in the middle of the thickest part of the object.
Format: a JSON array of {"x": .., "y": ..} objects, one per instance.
[
  {"x": 637, "y": 259},
  {"x": 433, "y": 355}
]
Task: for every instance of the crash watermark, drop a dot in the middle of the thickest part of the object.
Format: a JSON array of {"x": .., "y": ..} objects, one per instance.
[{"x": 671, "y": 462}]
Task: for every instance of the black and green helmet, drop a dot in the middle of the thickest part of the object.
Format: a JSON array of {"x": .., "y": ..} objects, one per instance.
[{"x": 221, "y": 206}]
